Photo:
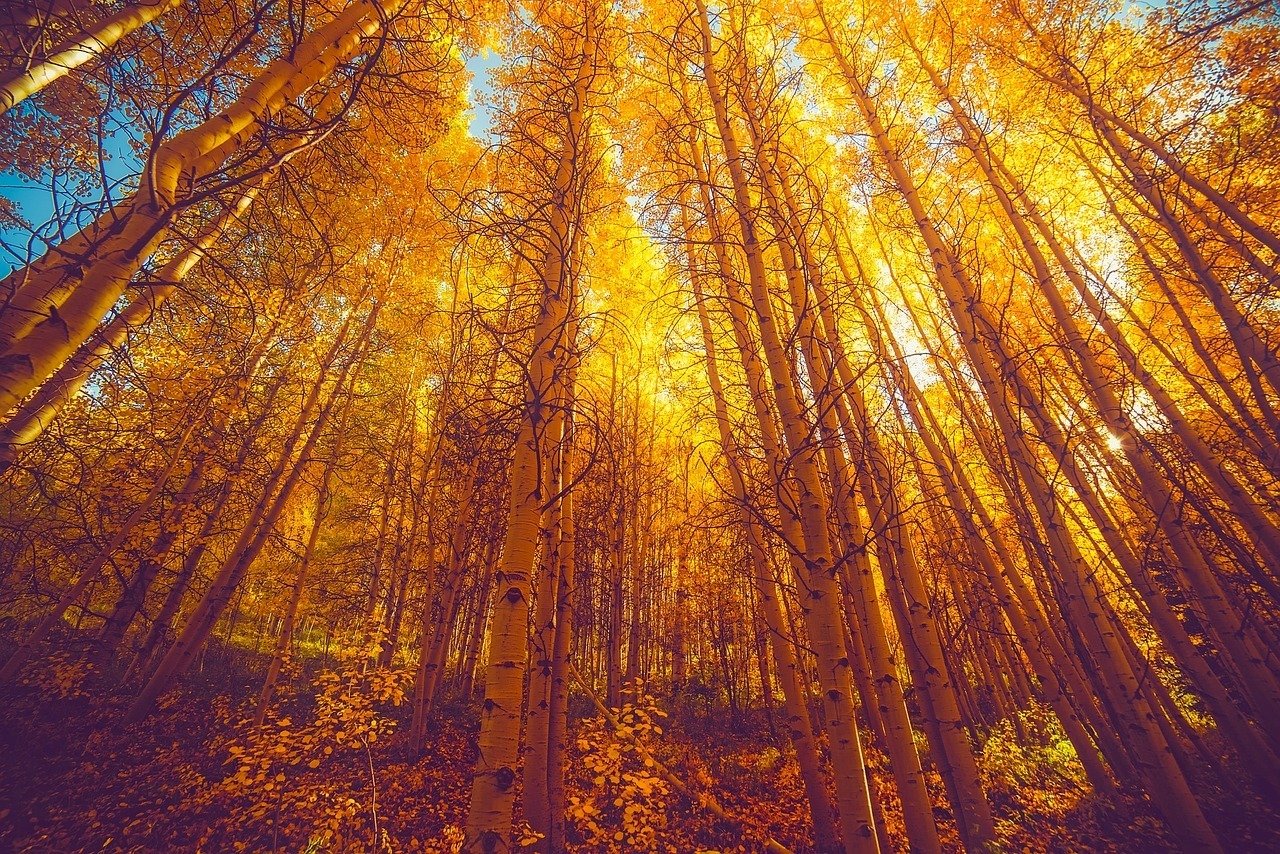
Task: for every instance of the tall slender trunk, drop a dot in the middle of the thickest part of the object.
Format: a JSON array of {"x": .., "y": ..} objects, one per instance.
[
  {"x": 258, "y": 528},
  {"x": 799, "y": 727},
  {"x": 87, "y": 45},
  {"x": 537, "y": 720},
  {"x": 562, "y": 645},
  {"x": 822, "y": 602},
  {"x": 285, "y": 641},
  {"x": 93, "y": 570},
  {"x": 488, "y": 826}
]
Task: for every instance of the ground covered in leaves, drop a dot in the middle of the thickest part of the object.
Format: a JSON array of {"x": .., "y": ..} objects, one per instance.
[{"x": 328, "y": 773}]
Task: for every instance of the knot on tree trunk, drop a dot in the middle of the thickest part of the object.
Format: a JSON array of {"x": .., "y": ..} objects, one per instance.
[{"x": 504, "y": 778}]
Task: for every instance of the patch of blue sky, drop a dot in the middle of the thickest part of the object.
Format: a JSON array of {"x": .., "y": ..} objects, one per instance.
[
  {"x": 482, "y": 64},
  {"x": 57, "y": 204}
]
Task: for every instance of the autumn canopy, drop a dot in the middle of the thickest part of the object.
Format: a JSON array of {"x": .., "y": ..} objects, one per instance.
[{"x": 577, "y": 425}]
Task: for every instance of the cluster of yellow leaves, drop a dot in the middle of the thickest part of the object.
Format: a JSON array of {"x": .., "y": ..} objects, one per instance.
[
  {"x": 626, "y": 808},
  {"x": 348, "y": 717},
  {"x": 62, "y": 676},
  {"x": 1032, "y": 769},
  {"x": 526, "y": 835},
  {"x": 450, "y": 841},
  {"x": 1040, "y": 758},
  {"x": 329, "y": 833}
]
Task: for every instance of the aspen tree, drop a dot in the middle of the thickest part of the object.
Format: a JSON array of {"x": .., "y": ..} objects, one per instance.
[
  {"x": 799, "y": 727},
  {"x": 259, "y": 526},
  {"x": 823, "y": 606},
  {"x": 613, "y": 640},
  {"x": 562, "y": 643},
  {"x": 85, "y": 46},
  {"x": 492, "y": 792},
  {"x": 537, "y": 719},
  {"x": 59, "y": 300},
  {"x": 1167, "y": 784}
]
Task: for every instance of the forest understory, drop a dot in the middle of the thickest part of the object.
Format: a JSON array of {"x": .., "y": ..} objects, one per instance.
[
  {"x": 640, "y": 426},
  {"x": 72, "y": 779}
]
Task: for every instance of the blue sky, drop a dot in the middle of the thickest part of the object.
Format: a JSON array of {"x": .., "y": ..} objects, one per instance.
[
  {"x": 38, "y": 200},
  {"x": 481, "y": 67}
]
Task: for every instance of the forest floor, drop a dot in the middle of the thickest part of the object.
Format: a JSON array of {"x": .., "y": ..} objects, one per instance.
[{"x": 332, "y": 775}]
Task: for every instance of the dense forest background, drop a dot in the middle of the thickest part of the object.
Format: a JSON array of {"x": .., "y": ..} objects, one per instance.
[{"x": 566, "y": 425}]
